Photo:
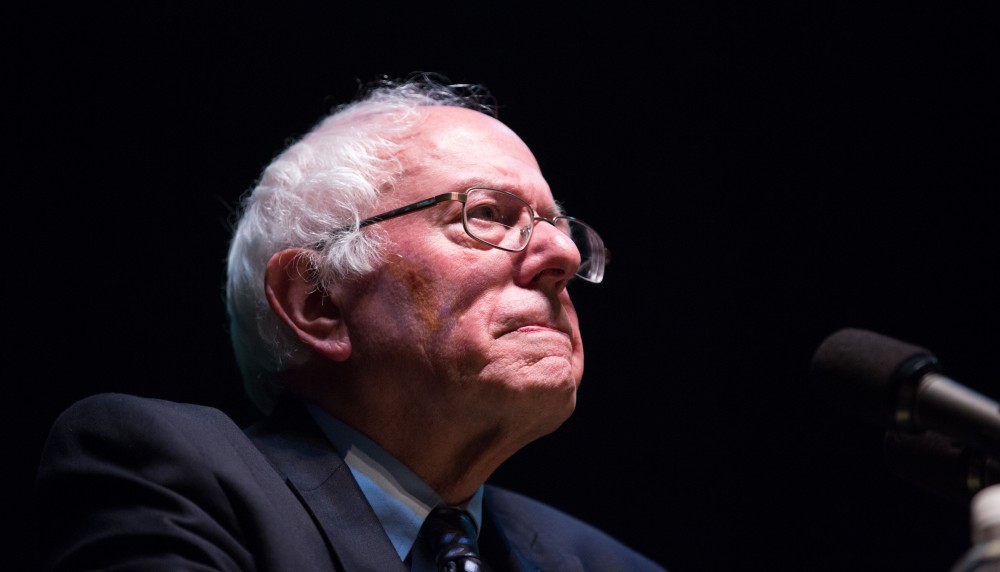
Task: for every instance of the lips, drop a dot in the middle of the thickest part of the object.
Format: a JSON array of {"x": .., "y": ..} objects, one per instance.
[
  {"x": 523, "y": 324},
  {"x": 539, "y": 328}
]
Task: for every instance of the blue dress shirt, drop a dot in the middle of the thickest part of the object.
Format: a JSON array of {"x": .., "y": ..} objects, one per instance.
[{"x": 401, "y": 500}]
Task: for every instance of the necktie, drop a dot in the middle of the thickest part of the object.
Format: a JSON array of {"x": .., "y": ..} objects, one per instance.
[{"x": 451, "y": 536}]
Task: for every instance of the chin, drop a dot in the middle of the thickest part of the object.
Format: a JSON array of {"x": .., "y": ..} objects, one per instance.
[
  {"x": 556, "y": 418},
  {"x": 556, "y": 395}
]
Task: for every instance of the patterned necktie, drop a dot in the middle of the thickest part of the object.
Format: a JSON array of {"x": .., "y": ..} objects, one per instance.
[{"x": 451, "y": 536}]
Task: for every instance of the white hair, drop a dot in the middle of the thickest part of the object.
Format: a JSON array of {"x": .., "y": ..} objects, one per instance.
[{"x": 329, "y": 179}]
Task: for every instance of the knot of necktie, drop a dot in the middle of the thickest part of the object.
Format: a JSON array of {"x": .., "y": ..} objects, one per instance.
[{"x": 451, "y": 535}]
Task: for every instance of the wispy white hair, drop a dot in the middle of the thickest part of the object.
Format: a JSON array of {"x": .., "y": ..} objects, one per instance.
[{"x": 329, "y": 179}]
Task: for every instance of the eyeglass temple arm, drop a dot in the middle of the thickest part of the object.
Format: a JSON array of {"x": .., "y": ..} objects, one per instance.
[{"x": 417, "y": 206}]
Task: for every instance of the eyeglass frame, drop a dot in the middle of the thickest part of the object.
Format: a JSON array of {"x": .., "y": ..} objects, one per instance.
[{"x": 462, "y": 197}]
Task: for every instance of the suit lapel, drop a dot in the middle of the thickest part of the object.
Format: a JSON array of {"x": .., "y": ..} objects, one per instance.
[
  {"x": 517, "y": 537},
  {"x": 327, "y": 489}
]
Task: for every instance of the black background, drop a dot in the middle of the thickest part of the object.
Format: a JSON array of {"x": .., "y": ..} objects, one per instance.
[{"x": 764, "y": 173}]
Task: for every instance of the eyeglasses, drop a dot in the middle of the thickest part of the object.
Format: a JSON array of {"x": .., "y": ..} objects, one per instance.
[{"x": 503, "y": 220}]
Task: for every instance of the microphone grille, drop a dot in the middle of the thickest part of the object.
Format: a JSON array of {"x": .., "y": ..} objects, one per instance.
[{"x": 861, "y": 371}]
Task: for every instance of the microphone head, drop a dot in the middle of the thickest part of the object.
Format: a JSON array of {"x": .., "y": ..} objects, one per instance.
[{"x": 862, "y": 371}]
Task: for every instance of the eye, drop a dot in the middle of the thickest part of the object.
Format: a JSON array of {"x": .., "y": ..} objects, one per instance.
[
  {"x": 485, "y": 211},
  {"x": 492, "y": 207}
]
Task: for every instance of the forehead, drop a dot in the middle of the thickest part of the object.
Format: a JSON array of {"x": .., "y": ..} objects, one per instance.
[{"x": 453, "y": 148}]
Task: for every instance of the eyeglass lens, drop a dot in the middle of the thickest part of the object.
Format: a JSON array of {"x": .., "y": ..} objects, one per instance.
[
  {"x": 504, "y": 220},
  {"x": 498, "y": 218}
]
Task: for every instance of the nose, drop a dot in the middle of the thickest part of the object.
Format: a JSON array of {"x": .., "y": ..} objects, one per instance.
[{"x": 551, "y": 257}]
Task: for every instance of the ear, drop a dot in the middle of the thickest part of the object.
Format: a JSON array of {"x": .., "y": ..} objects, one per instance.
[{"x": 313, "y": 314}]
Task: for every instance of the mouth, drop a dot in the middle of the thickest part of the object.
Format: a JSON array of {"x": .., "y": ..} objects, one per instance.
[
  {"x": 538, "y": 340},
  {"x": 539, "y": 328},
  {"x": 522, "y": 326}
]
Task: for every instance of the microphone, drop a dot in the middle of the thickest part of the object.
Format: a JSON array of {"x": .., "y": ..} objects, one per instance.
[{"x": 899, "y": 386}]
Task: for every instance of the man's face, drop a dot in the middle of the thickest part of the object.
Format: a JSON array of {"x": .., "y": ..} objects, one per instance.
[{"x": 452, "y": 324}]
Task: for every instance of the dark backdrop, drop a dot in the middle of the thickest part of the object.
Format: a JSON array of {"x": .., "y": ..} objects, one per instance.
[{"x": 765, "y": 174}]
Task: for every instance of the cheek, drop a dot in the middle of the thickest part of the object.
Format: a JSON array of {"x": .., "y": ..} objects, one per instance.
[
  {"x": 435, "y": 302},
  {"x": 415, "y": 290},
  {"x": 570, "y": 310},
  {"x": 567, "y": 306}
]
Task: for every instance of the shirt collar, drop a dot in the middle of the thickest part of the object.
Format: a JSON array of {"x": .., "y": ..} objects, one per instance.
[{"x": 400, "y": 499}]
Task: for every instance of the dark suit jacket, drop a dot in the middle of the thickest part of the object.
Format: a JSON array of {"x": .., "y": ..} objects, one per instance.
[{"x": 130, "y": 483}]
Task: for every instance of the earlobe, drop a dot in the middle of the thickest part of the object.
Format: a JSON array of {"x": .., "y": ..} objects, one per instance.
[{"x": 312, "y": 313}]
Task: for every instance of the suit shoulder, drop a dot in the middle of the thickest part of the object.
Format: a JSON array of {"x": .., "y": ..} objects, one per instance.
[
  {"x": 101, "y": 423},
  {"x": 182, "y": 477},
  {"x": 119, "y": 412},
  {"x": 114, "y": 404}
]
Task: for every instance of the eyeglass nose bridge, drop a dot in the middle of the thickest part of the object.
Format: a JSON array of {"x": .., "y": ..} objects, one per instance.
[{"x": 530, "y": 230}]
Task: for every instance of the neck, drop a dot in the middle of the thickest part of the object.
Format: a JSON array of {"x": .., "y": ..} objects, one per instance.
[{"x": 454, "y": 457}]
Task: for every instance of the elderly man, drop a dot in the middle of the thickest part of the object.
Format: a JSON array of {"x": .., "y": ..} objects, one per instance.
[{"x": 400, "y": 314}]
